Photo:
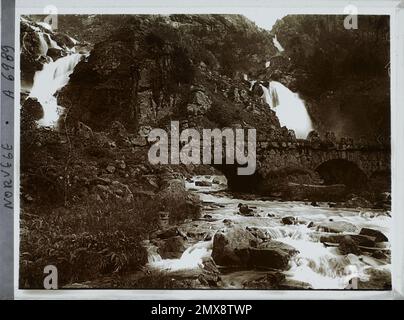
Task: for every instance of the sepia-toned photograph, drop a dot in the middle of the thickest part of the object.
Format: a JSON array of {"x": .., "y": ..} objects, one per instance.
[{"x": 205, "y": 151}]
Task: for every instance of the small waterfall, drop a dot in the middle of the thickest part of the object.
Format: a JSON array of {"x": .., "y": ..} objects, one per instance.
[
  {"x": 277, "y": 44},
  {"x": 53, "y": 43},
  {"x": 53, "y": 76},
  {"x": 45, "y": 25},
  {"x": 289, "y": 108},
  {"x": 190, "y": 259},
  {"x": 43, "y": 45}
]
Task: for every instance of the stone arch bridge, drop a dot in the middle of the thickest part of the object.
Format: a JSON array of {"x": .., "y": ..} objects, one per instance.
[{"x": 354, "y": 165}]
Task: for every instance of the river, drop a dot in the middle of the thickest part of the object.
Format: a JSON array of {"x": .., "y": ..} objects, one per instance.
[{"x": 320, "y": 266}]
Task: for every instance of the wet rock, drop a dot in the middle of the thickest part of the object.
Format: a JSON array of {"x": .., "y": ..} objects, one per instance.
[
  {"x": 337, "y": 226},
  {"x": 245, "y": 210},
  {"x": 259, "y": 233},
  {"x": 203, "y": 184},
  {"x": 207, "y": 237},
  {"x": 357, "y": 202},
  {"x": 288, "y": 220},
  {"x": 348, "y": 245},
  {"x": 171, "y": 248},
  {"x": 209, "y": 280},
  {"x": 360, "y": 240},
  {"x": 32, "y": 107},
  {"x": 378, "y": 254},
  {"x": 272, "y": 280},
  {"x": 378, "y": 235},
  {"x": 272, "y": 254},
  {"x": 238, "y": 247},
  {"x": 207, "y": 216},
  {"x": 314, "y": 204},
  {"x": 291, "y": 284},
  {"x": 216, "y": 180},
  {"x": 230, "y": 247},
  {"x": 378, "y": 279},
  {"x": 55, "y": 53},
  {"x": 228, "y": 222}
]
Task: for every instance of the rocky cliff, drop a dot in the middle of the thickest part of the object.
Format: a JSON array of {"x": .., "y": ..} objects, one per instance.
[
  {"x": 158, "y": 68},
  {"x": 342, "y": 74}
]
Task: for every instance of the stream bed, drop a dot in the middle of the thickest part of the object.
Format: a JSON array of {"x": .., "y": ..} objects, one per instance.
[{"x": 317, "y": 265}]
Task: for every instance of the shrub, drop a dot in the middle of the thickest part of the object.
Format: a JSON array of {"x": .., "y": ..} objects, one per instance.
[{"x": 84, "y": 242}]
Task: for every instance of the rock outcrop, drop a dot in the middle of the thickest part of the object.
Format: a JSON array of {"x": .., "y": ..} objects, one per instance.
[{"x": 237, "y": 247}]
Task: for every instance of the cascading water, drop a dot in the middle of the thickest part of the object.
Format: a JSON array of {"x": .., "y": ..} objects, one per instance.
[
  {"x": 53, "y": 43},
  {"x": 53, "y": 77},
  {"x": 190, "y": 259},
  {"x": 289, "y": 108},
  {"x": 43, "y": 45},
  {"x": 320, "y": 266},
  {"x": 277, "y": 44}
]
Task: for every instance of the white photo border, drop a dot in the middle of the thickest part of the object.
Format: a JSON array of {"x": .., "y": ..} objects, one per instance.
[{"x": 385, "y": 7}]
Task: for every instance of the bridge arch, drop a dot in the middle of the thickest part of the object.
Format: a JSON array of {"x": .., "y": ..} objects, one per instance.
[{"x": 342, "y": 171}]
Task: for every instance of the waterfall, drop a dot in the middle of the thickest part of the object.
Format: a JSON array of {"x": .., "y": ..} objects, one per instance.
[
  {"x": 53, "y": 43},
  {"x": 277, "y": 44},
  {"x": 289, "y": 108},
  {"x": 190, "y": 258},
  {"x": 43, "y": 45},
  {"x": 53, "y": 76}
]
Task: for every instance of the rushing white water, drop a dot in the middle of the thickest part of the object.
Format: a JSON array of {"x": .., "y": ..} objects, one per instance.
[
  {"x": 45, "y": 25},
  {"x": 53, "y": 43},
  {"x": 320, "y": 266},
  {"x": 53, "y": 76},
  {"x": 289, "y": 108},
  {"x": 190, "y": 259},
  {"x": 43, "y": 45},
  {"x": 277, "y": 44}
]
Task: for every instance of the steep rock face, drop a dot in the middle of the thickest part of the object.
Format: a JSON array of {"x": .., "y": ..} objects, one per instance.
[
  {"x": 178, "y": 67},
  {"x": 40, "y": 45},
  {"x": 343, "y": 75}
]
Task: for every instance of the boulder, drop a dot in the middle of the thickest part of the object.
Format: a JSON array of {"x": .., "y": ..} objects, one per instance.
[
  {"x": 348, "y": 245},
  {"x": 245, "y": 210},
  {"x": 54, "y": 53},
  {"x": 357, "y": 202},
  {"x": 171, "y": 248},
  {"x": 32, "y": 107},
  {"x": 230, "y": 247},
  {"x": 238, "y": 247},
  {"x": 272, "y": 254},
  {"x": 378, "y": 235},
  {"x": 360, "y": 240},
  {"x": 216, "y": 180},
  {"x": 288, "y": 220},
  {"x": 337, "y": 226},
  {"x": 378, "y": 280},
  {"x": 259, "y": 233}
]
